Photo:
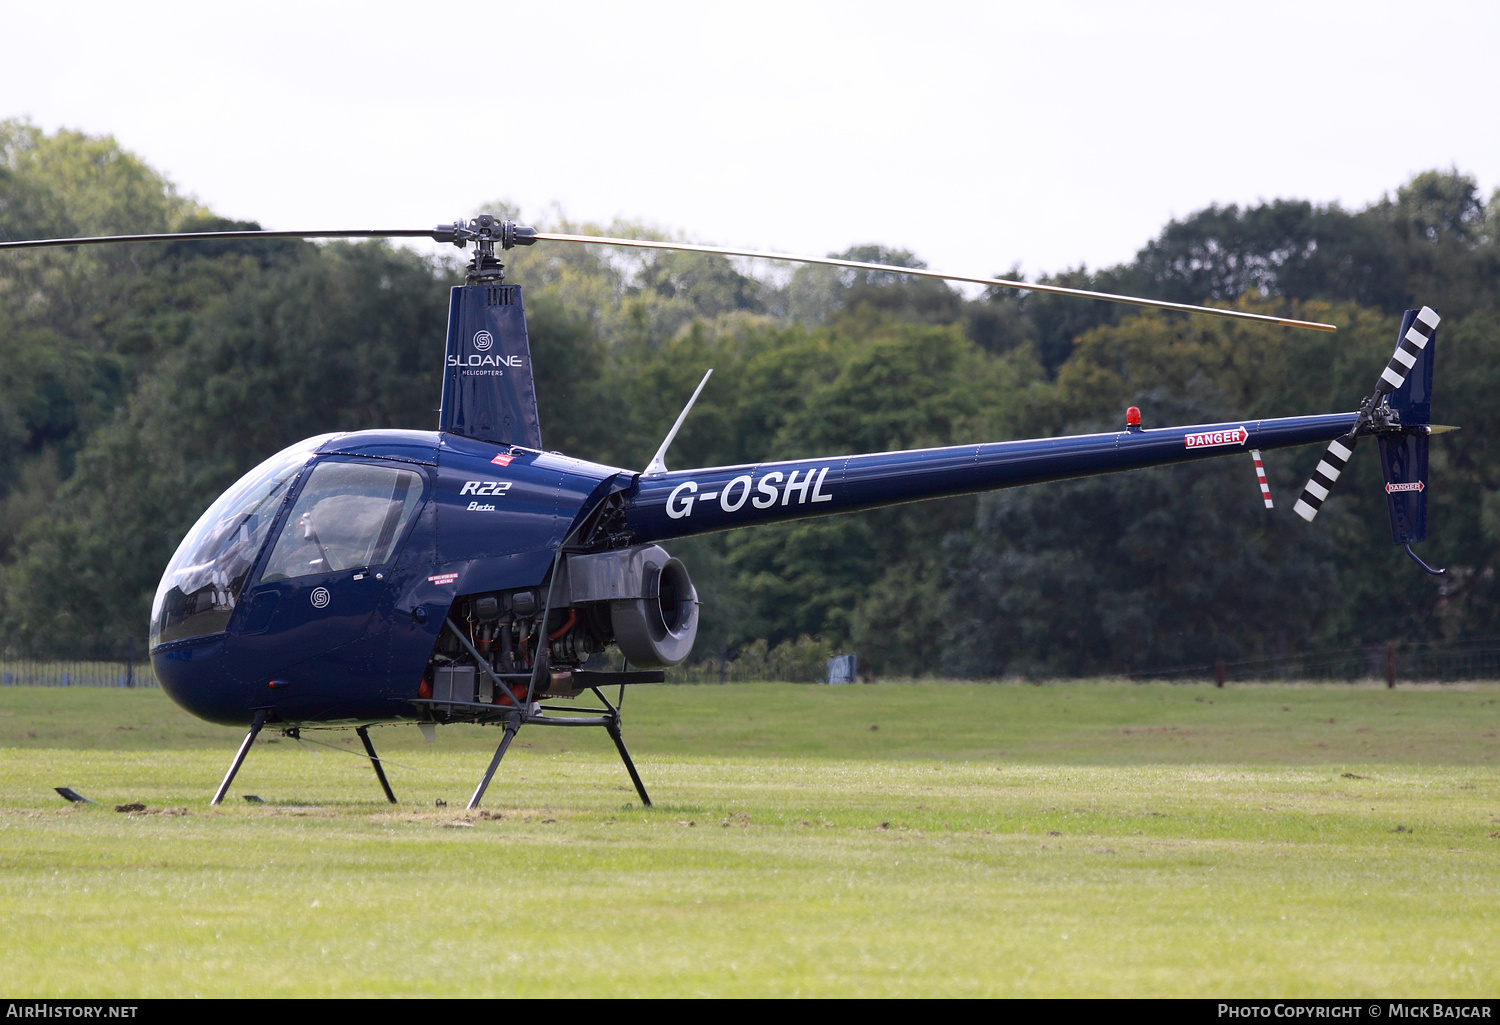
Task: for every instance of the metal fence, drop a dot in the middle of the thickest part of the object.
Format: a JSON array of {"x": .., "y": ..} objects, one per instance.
[
  {"x": 1425, "y": 662},
  {"x": 1431, "y": 662},
  {"x": 126, "y": 672}
]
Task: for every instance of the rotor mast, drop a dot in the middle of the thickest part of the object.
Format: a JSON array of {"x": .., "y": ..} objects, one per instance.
[{"x": 485, "y": 231}]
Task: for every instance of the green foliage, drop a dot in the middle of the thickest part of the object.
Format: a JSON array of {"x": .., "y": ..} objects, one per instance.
[
  {"x": 138, "y": 381},
  {"x": 1433, "y": 243},
  {"x": 799, "y": 660},
  {"x": 292, "y": 352},
  {"x": 1180, "y": 565},
  {"x": 80, "y": 327},
  {"x": 1066, "y": 578},
  {"x": 1427, "y": 244}
]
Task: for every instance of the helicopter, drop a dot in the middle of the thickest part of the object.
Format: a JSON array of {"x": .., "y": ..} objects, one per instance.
[{"x": 467, "y": 575}]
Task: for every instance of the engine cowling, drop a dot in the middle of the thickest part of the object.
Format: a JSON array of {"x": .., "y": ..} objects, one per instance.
[{"x": 653, "y": 606}]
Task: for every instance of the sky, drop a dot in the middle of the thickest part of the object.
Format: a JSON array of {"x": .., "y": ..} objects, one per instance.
[{"x": 981, "y": 136}]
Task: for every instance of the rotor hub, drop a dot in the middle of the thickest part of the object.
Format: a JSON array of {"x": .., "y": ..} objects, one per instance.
[{"x": 485, "y": 231}]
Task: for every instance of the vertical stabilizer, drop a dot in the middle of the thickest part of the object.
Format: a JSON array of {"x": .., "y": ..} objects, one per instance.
[
  {"x": 1413, "y": 399},
  {"x": 488, "y": 392},
  {"x": 1403, "y": 456}
]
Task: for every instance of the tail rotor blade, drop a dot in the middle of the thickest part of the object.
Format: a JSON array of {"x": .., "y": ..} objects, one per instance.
[
  {"x": 1408, "y": 349},
  {"x": 1322, "y": 480}
]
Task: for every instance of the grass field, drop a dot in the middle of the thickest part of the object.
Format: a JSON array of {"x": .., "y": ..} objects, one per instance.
[{"x": 1082, "y": 839}]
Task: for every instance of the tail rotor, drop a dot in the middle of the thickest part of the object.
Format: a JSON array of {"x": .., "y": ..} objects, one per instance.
[{"x": 1376, "y": 415}]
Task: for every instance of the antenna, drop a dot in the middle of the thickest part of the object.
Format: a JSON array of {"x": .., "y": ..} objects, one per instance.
[{"x": 658, "y": 464}]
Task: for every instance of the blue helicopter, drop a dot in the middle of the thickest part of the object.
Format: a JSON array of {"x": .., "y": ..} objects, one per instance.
[{"x": 465, "y": 575}]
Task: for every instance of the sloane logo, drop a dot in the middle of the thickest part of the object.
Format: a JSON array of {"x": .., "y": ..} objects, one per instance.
[
  {"x": 486, "y": 361},
  {"x": 321, "y": 597},
  {"x": 483, "y": 340}
]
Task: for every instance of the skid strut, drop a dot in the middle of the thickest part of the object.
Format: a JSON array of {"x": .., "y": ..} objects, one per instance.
[
  {"x": 610, "y": 722},
  {"x": 512, "y": 727},
  {"x": 364, "y": 735},
  {"x": 239, "y": 756},
  {"x": 635, "y": 777}
]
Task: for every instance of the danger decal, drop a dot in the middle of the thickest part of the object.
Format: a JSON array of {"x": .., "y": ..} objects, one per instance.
[
  {"x": 1415, "y": 485},
  {"x": 1215, "y": 439}
]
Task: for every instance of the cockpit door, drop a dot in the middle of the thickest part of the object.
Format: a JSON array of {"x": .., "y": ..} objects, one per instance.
[{"x": 325, "y": 574}]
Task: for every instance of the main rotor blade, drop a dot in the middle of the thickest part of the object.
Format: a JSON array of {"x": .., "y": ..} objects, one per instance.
[
  {"x": 636, "y": 243},
  {"x": 445, "y": 233},
  {"x": 201, "y": 236}
]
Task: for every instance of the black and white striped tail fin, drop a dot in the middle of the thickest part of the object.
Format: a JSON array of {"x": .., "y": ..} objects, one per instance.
[
  {"x": 1408, "y": 349},
  {"x": 1321, "y": 482}
]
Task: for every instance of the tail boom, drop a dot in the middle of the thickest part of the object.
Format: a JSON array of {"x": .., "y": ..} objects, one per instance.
[{"x": 687, "y": 502}]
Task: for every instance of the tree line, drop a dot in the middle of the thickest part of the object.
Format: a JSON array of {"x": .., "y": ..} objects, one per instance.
[{"x": 136, "y": 382}]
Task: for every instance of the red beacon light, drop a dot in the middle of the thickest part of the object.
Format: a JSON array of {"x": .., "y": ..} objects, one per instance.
[{"x": 1133, "y": 418}]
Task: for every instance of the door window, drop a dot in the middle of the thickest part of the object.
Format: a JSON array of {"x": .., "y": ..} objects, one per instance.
[{"x": 349, "y": 516}]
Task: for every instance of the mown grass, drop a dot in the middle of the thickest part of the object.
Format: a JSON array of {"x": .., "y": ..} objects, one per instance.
[{"x": 1083, "y": 839}]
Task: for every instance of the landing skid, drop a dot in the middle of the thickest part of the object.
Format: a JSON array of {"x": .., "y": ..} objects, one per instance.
[
  {"x": 610, "y": 720},
  {"x": 515, "y": 716},
  {"x": 260, "y": 721},
  {"x": 513, "y": 719}
]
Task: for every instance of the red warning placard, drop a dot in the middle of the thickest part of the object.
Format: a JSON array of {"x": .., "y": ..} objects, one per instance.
[{"x": 1213, "y": 439}]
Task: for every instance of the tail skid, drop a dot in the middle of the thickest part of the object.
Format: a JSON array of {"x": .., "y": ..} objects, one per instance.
[{"x": 1419, "y": 561}]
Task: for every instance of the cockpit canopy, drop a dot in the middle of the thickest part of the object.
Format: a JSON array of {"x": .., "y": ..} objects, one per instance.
[{"x": 348, "y": 515}]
